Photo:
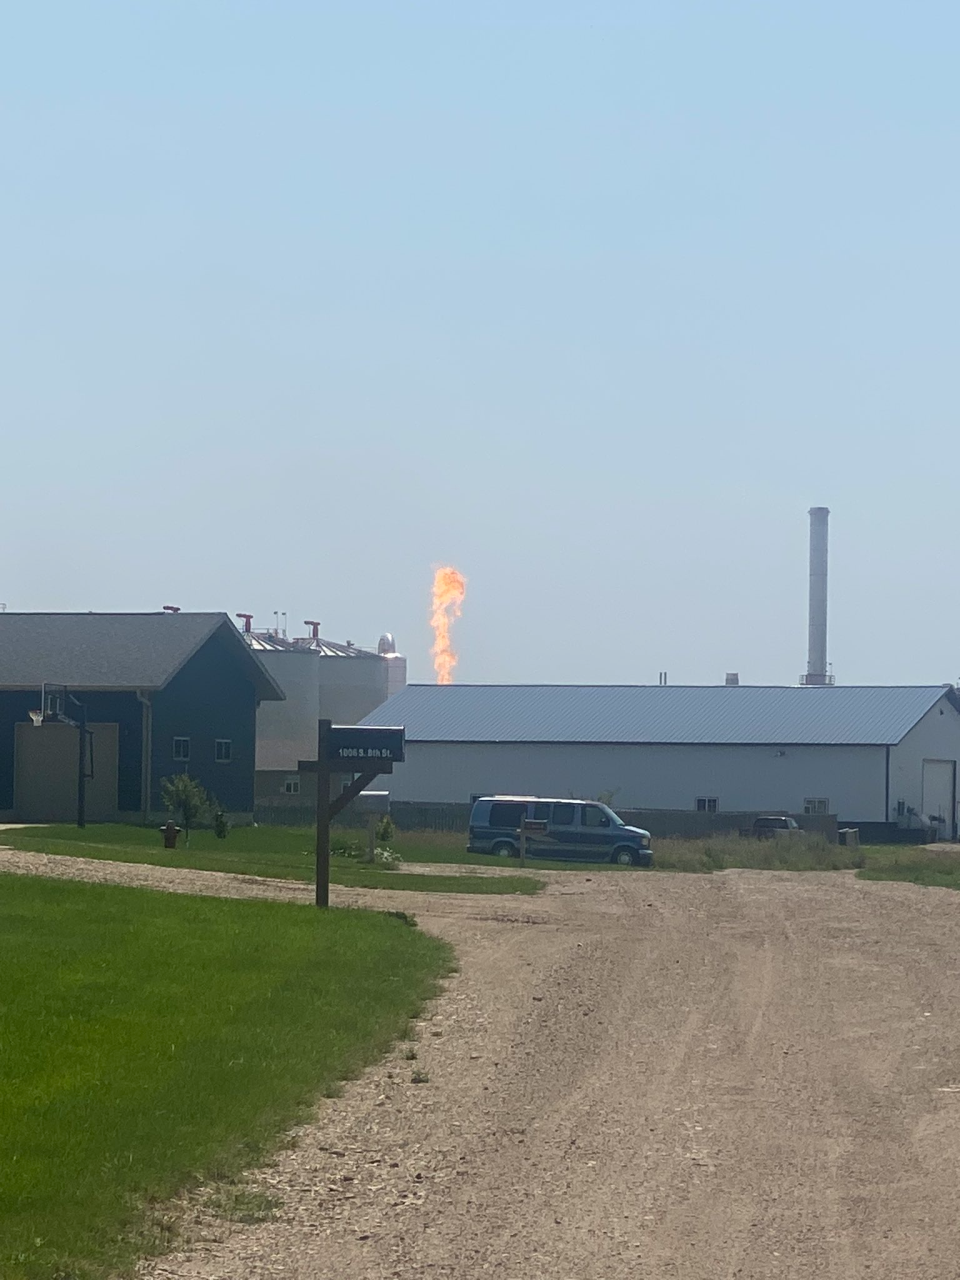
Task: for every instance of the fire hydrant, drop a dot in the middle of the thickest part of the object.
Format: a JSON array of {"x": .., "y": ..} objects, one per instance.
[{"x": 170, "y": 831}]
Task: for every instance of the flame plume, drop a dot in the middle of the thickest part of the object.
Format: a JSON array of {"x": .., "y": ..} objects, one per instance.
[{"x": 449, "y": 588}]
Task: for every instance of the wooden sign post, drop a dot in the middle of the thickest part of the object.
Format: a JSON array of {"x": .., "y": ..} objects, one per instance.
[
  {"x": 363, "y": 752},
  {"x": 322, "y": 892},
  {"x": 529, "y": 827}
]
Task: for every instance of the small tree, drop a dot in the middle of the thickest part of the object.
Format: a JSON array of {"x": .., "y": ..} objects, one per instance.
[
  {"x": 183, "y": 795},
  {"x": 385, "y": 829}
]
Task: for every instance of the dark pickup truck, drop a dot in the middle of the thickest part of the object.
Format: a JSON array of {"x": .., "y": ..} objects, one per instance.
[{"x": 771, "y": 828}]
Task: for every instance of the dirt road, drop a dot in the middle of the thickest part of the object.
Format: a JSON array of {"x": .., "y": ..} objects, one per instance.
[{"x": 636, "y": 1075}]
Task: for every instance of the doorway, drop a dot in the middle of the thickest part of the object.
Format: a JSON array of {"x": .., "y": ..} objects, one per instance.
[{"x": 940, "y": 796}]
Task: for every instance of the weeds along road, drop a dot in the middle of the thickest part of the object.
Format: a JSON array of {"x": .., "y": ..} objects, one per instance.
[{"x": 752, "y": 1074}]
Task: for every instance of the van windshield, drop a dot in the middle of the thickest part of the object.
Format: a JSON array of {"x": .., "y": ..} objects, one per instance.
[{"x": 617, "y": 822}]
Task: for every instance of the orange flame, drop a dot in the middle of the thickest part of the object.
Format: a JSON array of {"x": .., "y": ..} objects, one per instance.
[{"x": 449, "y": 588}]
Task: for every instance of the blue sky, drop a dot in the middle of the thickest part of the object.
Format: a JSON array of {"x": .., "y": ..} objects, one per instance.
[{"x": 591, "y": 300}]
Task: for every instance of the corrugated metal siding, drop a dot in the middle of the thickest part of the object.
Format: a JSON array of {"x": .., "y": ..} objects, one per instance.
[
  {"x": 651, "y": 776},
  {"x": 657, "y": 714}
]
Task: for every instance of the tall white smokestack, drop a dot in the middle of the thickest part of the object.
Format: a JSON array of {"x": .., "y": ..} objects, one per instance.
[{"x": 817, "y": 673}]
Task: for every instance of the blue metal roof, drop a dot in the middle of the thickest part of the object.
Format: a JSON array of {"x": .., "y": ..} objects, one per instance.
[{"x": 848, "y": 715}]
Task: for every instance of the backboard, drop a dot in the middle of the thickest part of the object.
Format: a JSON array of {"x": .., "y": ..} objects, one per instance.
[{"x": 53, "y": 701}]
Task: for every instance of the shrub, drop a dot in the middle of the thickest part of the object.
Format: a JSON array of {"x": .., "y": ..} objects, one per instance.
[
  {"x": 342, "y": 847},
  {"x": 387, "y": 859},
  {"x": 383, "y": 857},
  {"x": 183, "y": 795}
]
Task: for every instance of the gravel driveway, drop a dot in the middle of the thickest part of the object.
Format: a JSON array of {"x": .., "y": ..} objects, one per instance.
[{"x": 752, "y": 1075}]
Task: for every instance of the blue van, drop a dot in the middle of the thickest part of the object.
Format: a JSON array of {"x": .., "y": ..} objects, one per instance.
[{"x": 577, "y": 831}]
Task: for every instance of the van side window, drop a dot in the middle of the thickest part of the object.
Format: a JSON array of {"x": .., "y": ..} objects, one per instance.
[
  {"x": 563, "y": 815},
  {"x": 594, "y": 816},
  {"x": 541, "y": 812},
  {"x": 507, "y": 816}
]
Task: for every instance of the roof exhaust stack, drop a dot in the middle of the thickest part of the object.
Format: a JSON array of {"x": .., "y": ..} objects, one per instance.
[
  {"x": 167, "y": 608},
  {"x": 732, "y": 679},
  {"x": 247, "y": 619},
  {"x": 817, "y": 672},
  {"x": 314, "y": 628}
]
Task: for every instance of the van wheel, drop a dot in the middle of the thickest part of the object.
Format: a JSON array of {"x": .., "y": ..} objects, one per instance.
[
  {"x": 624, "y": 856},
  {"x": 504, "y": 849}
]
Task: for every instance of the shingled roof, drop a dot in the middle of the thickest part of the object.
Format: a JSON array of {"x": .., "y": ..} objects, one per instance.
[{"x": 115, "y": 650}]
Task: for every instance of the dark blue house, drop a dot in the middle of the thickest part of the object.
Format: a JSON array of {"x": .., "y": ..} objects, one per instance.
[{"x": 164, "y": 693}]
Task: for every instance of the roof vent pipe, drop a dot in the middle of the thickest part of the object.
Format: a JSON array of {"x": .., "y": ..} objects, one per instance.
[
  {"x": 732, "y": 679},
  {"x": 171, "y": 608},
  {"x": 247, "y": 619},
  {"x": 314, "y": 628}
]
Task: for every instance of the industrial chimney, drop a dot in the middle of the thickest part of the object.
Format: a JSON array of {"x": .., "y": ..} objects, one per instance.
[{"x": 817, "y": 673}]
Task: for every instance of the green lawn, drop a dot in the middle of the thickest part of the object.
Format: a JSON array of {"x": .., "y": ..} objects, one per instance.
[
  {"x": 717, "y": 853},
  {"x": 722, "y": 853},
  {"x": 913, "y": 864},
  {"x": 286, "y": 853},
  {"x": 149, "y": 1040},
  {"x": 871, "y": 862}
]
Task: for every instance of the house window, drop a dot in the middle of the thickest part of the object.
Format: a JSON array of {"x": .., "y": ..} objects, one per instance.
[
  {"x": 181, "y": 748},
  {"x": 707, "y": 804},
  {"x": 816, "y": 806},
  {"x": 223, "y": 750},
  {"x": 291, "y": 787}
]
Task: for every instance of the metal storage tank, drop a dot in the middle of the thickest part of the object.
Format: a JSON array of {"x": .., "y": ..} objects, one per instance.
[{"x": 342, "y": 682}]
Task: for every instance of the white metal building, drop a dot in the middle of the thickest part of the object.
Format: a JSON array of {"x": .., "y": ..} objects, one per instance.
[
  {"x": 341, "y": 682},
  {"x": 863, "y": 754}
]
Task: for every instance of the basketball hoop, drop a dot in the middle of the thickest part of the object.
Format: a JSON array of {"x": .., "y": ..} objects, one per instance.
[{"x": 53, "y": 701}]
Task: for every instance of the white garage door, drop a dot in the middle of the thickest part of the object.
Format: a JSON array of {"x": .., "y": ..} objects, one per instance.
[{"x": 939, "y": 795}]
